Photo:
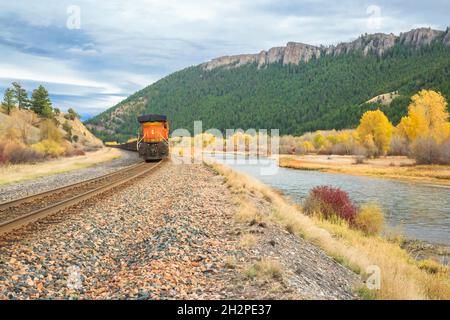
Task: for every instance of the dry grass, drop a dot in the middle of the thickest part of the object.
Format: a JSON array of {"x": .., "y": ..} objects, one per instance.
[
  {"x": 401, "y": 277},
  {"x": 247, "y": 213},
  {"x": 389, "y": 167},
  {"x": 433, "y": 267},
  {"x": 21, "y": 172},
  {"x": 230, "y": 262},
  {"x": 248, "y": 240},
  {"x": 265, "y": 269}
]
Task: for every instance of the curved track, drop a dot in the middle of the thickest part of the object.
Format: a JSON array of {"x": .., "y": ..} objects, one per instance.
[{"x": 17, "y": 213}]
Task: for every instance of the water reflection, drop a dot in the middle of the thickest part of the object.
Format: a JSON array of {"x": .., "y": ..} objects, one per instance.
[{"x": 419, "y": 211}]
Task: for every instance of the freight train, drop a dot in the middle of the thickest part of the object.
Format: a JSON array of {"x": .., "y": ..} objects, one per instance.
[{"x": 154, "y": 144}]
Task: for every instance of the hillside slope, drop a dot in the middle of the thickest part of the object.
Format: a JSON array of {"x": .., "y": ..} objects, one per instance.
[
  {"x": 296, "y": 88},
  {"x": 26, "y": 125}
]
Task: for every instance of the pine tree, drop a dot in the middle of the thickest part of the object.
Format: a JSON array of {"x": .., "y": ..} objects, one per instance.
[
  {"x": 21, "y": 96},
  {"x": 40, "y": 102},
  {"x": 8, "y": 100}
]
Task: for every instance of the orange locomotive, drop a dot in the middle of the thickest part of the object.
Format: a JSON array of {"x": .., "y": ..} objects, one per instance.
[{"x": 154, "y": 144}]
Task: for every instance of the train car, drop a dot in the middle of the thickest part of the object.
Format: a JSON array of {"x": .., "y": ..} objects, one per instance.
[{"x": 154, "y": 143}]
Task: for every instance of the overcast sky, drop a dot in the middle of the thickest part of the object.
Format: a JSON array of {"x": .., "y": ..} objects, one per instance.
[{"x": 90, "y": 55}]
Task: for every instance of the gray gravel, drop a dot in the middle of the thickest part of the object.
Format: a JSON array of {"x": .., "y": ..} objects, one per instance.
[
  {"x": 169, "y": 235},
  {"x": 28, "y": 187}
]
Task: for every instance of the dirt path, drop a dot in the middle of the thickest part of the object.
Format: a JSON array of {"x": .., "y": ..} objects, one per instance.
[{"x": 172, "y": 235}]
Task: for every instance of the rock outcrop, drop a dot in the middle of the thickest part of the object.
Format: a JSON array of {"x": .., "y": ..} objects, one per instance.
[
  {"x": 295, "y": 52},
  {"x": 420, "y": 37}
]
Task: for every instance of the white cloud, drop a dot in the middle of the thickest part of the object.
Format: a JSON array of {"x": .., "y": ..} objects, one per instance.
[{"x": 124, "y": 46}]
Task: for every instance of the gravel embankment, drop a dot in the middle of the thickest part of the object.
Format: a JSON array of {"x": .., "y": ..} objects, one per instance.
[
  {"x": 170, "y": 235},
  {"x": 24, "y": 188}
]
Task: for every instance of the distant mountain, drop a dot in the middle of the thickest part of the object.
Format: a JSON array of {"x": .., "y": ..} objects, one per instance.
[{"x": 295, "y": 88}]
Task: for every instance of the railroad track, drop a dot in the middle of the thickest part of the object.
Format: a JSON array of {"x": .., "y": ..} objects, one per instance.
[{"x": 19, "y": 212}]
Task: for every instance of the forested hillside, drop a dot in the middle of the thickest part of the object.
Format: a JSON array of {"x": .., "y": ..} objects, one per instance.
[{"x": 324, "y": 93}]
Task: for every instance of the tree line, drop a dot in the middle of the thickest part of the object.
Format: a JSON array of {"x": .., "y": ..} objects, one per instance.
[
  {"x": 423, "y": 134},
  {"x": 323, "y": 94},
  {"x": 39, "y": 102}
]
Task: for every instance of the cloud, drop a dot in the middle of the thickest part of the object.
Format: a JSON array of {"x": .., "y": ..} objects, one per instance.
[{"x": 123, "y": 46}]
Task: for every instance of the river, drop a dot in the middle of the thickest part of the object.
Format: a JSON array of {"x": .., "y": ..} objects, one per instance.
[{"x": 418, "y": 211}]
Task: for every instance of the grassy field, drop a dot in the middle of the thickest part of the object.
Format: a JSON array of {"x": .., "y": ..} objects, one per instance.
[
  {"x": 21, "y": 172},
  {"x": 401, "y": 276},
  {"x": 400, "y": 168}
]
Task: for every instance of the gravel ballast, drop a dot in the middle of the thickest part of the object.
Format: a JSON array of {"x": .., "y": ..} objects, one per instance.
[{"x": 170, "y": 235}]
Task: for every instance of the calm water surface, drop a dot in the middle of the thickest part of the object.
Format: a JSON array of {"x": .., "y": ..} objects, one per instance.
[{"x": 419, "y": 211}]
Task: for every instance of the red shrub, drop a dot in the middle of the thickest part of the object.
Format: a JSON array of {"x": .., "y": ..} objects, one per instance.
[{"x": 330, "y": 202}]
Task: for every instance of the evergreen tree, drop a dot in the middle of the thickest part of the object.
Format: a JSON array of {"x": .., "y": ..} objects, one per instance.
[
  {"x": 8, "y": 100},
  {"x": 21, "y": 96},
  {"x": 40, "y": 102},
  {"x": 71, "y": 114}
]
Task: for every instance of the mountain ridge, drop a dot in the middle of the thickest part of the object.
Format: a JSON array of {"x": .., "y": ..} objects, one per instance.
[
  {"x": 297, "y": 52},
  {"x": 329, "y": 91}
]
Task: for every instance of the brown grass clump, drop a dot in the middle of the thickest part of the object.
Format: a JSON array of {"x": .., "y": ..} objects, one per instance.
[
  {"x": 248, "y": 240},
  {"x": 265, "y": 269},
  {"x": 401, "y": 277},
  {"x": 247, "y": 213}
]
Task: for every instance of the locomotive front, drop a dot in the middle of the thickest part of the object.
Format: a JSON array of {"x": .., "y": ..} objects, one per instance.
[{"x": 154, "y": 144}]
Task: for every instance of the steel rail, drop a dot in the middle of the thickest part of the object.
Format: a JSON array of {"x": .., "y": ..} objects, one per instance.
[
  {"x": 33, "y": 216},
  {"x": 15, "y": 202}
]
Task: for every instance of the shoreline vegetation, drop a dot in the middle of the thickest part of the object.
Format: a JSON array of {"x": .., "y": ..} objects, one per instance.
[
  {"x": 393, "y": 167},
  {"x": 402, "y": 277}
]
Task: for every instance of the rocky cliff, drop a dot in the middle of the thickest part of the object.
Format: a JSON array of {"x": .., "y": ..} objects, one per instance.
[{"x": 295, "y": 52}]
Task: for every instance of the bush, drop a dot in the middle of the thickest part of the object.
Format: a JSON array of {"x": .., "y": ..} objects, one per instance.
[
  {"x": 14, "y": 152},
  {"x": 398, "y": 146},
  {"x": 330, "y": 203},
  {"x": 339, "y": 149},
  {"x": 360, "y": 160},
  {"x": 444, "y": 157},
  {"x": 49, "y": 148},
  {"x": 370, "y": 219},
  {"x": 3, "y": 158},
  {"x": 425, "y": 151},
  {"x": 25, "y": 155},
  {"x": 72, "y": 152},
  {"x": 49, "y": 131}
]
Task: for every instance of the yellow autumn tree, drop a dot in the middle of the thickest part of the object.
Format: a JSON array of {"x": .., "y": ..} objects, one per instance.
[
  {"x": 427, "y": 117},
  {"x": 375, "y": 132}
]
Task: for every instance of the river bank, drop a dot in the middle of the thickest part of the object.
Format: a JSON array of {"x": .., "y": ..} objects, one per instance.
[
  {"x": 397, "y": 168},
  {"x": 401, "y": 276}
]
